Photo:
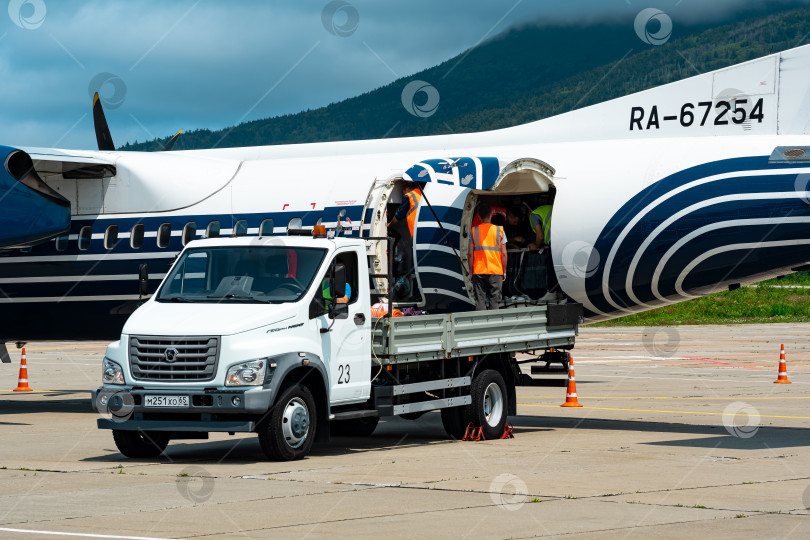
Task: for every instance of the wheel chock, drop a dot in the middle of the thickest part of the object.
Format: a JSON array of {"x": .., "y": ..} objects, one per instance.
[
  {"x": 507, "y": 431},
  {"x": 473, "y": 433}
]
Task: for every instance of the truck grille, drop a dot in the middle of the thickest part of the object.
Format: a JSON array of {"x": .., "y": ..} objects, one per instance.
[{"x": 173, "y": 359}]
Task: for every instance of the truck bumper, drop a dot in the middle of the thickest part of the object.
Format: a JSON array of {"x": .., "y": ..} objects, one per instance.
[
  {"x": 123, "y": 404},
  {"x": 178, "y": 425}
]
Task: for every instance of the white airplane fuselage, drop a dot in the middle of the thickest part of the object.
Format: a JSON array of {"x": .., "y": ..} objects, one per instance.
[{"x": 659, "y": 197}]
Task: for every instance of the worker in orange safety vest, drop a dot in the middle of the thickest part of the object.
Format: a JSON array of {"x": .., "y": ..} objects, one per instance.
[
  {"x": 487, "y": 252},
  {"x": 411, "y": 196}
]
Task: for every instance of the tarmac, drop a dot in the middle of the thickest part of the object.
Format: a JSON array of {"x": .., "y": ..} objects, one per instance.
[{"x": 683, "y": 434}]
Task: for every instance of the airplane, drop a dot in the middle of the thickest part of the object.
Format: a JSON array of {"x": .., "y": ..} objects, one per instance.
[{"x": 659, "y": 197}]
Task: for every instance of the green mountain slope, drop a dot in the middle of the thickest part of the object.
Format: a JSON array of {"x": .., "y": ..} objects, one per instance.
[{"x": 523, "y": 75}]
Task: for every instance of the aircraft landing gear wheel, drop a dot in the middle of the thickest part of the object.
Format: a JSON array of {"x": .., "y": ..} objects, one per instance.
[
  {"x": 489, "y": 407},
  {"x": 140, "y": 444},
  {"x": 288, "y": 431}
]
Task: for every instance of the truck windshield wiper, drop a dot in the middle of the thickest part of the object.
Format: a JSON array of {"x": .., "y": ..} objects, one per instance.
[
  {"x": 237, "y": 297},
  {"x": 179, "y": 299}
]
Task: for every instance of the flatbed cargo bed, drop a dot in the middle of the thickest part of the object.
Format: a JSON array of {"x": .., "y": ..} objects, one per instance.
[{"x": 420, "y": 338}]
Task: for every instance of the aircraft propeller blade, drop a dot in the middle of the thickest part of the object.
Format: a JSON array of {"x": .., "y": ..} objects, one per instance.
[
  {"x": 103, "y": 135},
  {"x": 169, "y": 145}
]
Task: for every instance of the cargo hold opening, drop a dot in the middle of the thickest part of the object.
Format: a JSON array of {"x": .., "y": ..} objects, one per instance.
[
  {"x": 522, "y": 186},
  {"x": 406, "y": 291}
]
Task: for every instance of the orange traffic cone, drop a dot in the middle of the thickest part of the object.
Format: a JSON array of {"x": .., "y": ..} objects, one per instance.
[
  {"x": 22, "y": 383},
  {"x": 571, "y": 394},
  {"x": 782, "y": 378}
]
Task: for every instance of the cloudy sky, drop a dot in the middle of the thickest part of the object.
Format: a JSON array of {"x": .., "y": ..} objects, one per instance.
[{"x": 162, "y": 66}]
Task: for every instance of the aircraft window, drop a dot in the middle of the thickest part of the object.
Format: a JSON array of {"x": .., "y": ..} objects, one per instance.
[
  {"x": 213, "y": 230},
  {"x": 111, "y": 237},
  {"x": 84, "y": 238},
  {"x": 136, "y": 236},
  {"x": 62, "y": 242},
  {"x": 266, "y": 228},
  {"x": 240, "y": 228},
  {"x": 295, "y": 223},
  {"x": 189, "y": 232},
  {"x": 164, "y": 235}
]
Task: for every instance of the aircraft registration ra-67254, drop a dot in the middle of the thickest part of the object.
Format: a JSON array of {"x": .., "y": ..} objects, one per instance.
[{"x": 658, "y": 197}]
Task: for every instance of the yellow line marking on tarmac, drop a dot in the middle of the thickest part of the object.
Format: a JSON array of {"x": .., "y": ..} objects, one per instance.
[{"x": 660, "y": 411}]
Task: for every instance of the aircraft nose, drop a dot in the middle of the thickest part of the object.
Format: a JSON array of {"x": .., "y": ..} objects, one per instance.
[{"x": 30, "y": 211}]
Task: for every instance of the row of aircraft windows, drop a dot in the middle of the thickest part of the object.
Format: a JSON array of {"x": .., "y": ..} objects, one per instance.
[{"x": 164, "y": 234}]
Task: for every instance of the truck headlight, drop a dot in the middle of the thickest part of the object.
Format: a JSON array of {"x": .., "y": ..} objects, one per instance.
[
  {"x": 247, "y": 373},
  {"x": 111, "y": 373}
]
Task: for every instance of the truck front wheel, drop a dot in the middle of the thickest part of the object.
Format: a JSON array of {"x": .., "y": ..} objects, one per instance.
[
  {"x": 141, "y": 444},
  {"x": 288, "y": 431},
  {"x": 489, "y": 403}
]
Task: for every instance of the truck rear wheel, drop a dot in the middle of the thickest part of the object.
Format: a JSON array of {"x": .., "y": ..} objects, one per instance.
[
  {"x": 288, "y": 431},
  {"x": 453, "y": 420},
  {"x": 140, "y": 444},
  {"x": 489, "y": 406}
]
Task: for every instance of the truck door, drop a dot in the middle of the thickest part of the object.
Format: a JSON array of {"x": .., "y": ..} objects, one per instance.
[{"x": 347, "y": 347}]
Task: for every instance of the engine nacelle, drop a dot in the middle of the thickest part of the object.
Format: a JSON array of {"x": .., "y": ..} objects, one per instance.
[{"x": 30, "y": 211}]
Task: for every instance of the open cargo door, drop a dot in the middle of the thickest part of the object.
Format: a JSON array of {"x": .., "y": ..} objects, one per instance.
[
  {"x": 485, "y": 174},
  {"x": 439, "y": 246}
]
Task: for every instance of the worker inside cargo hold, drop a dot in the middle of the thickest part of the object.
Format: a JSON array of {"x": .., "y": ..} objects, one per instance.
[
  {"x": 487, "y": 251},
  {"x": 402, "y": 226},
  {"x": 540, "y": 225}
]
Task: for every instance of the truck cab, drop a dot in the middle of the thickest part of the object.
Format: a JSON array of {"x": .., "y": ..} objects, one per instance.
[{"x": 233, "y": 320}]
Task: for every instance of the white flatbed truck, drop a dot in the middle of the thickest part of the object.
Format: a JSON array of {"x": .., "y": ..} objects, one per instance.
[{"x": 239, "y": 338}]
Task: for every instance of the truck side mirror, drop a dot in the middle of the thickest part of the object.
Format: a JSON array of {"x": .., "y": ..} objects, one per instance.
[
  {"x": 143, "y": 279},
  {"x": 338, "y": 281},
  {"x": 338, "y": 311},
  {"x": 337, "y": 285}
]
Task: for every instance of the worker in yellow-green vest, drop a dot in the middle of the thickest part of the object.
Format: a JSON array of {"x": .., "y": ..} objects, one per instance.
[
  {"x": 540, "y": 223},
  {"x": 487, "y": 254},
  {"x": 326, "y": 292}
]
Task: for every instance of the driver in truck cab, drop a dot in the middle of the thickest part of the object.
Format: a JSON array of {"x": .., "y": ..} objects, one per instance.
[{"x": 327, "y": 294}]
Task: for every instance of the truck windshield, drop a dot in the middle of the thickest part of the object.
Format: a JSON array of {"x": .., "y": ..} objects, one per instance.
[{"x": 252, "y": 274}]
